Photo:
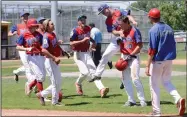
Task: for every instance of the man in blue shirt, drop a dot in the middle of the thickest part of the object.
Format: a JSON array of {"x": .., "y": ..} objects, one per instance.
[
  {"x": 96, "y": 35},
  {"x": 162, "y": 50}
]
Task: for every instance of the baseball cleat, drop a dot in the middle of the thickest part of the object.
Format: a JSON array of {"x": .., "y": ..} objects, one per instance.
[
  {"x": 154, "y": 114},
  {"x": 128, "y": 103},
  {"x": 110, "y": 65},
  {"x": 181, "y": 106},
  {"x": 121, "y": 86},
  {"x": 42, "y": 101},
  {"x": 47, "y": 100},
  {"x": 94, "y": 78},
  {"x": 28, "y": 90},
  {"x": 79, "y": 89},
  {"x": 104, "y": 92},
  {"x": 16, "y": 77},
  {"x": 143, "y": 103},
  {"x": 58, "y": 104}
]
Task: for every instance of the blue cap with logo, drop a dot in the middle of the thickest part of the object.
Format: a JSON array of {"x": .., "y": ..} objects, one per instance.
[
  {"x": 40, "y": 19},
  {"x": 24, "y": 13},
  {"x": 102, "y": 7}
]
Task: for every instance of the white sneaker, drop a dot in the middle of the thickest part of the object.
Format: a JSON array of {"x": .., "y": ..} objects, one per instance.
[
  {"x": 47, "y": 100},
  {"x": 143, "y": 103}
]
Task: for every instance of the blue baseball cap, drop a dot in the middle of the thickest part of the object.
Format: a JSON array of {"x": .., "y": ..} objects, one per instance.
[
  {"x": 24, "y": 13},
  {"x": 40, "y": 19},
  {"x": 102, "y": 7},
  {"x": 82, "y": 16}
]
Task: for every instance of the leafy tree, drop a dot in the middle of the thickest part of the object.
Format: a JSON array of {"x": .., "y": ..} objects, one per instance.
[{"x": 174, "y": 13}]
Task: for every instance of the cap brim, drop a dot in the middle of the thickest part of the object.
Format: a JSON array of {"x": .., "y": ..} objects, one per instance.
[
  {"x": 100, "y": 12},
  {"x": 25, "y": 14}
]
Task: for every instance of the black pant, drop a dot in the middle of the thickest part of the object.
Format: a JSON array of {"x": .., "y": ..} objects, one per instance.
[{"x": 96, "y": 55}]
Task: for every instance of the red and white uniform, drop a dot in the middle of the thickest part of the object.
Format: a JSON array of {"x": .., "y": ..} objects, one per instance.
[
  {"x": 132, "y": 38},
  {"x": 50, "y": 43},
  {"x": 20, "y": 28},
  {"x": 113, "y": 47},
  {"x": 35, "y": 59},
  {"x": 82, "y": 56}
]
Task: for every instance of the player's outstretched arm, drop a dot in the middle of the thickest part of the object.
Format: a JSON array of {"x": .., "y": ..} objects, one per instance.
[
  {"x": 131, "y": 19},
  {"x": 21, "y": 48}
]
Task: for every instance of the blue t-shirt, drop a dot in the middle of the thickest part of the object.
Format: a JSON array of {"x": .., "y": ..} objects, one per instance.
[{"x": 162, "y": 42}]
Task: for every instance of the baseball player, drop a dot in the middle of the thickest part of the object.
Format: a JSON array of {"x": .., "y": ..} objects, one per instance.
[
  {"x": 18, "y": 30},
  {"x": 40, "y": 23},
  {"x": 162, "y": 50},
  {"x": 130, "y": 47},
  {"x": 79, "y": 41},
  {"x": 112, "y": 27},
  {"x": 30, "y": 42},
  {"x": 51, "y": 47}
]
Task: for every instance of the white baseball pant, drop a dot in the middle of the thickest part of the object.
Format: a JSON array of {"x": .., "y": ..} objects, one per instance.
[
  {"x": 112, "y": 49},
  {"x": 131, "y": 74},
  {"x": 23, "y": 58},
  {"x": 53, "y": 70},
  {"x": 161, "y": 71},
  {"x": 86, "y": 67},
  {"x": 36, "y": 68}
]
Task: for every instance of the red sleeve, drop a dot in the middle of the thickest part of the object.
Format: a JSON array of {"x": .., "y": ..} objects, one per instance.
[{"x": 151, "y": 52}]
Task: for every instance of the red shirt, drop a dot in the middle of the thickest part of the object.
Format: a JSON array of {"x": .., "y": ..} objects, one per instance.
[
  {"x": 79, "y": 34},
  {"x": 50, "y": 43},
  {"x": 33, "y": 40},
  {"x": 132, "y": 38}
]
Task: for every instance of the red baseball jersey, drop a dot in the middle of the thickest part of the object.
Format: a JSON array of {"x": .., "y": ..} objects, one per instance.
[
  {"x": 20, "y": 28},
  {"x": 79, "y": 34},
  {"x": 111, "y": 22},
  {"x": 50, "y": 43},
  {"x": 33, "y": 40},
  {"x": 131, "y": 40}
]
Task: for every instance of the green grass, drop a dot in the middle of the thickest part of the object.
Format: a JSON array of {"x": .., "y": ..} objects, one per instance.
[{"x": 13, "y": 97}]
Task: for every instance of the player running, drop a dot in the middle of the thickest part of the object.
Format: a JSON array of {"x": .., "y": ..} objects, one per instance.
[
  {"x": 18, "y": 30},
  {"x": 80, "y": 41}
]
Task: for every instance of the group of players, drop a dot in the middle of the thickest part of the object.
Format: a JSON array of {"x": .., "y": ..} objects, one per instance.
[{"x": 40, "y": 51}]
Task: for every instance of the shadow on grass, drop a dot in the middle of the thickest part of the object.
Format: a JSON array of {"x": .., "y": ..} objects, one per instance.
[
  {"x": 71, "y": 96},
  {"x": 78, "y": 104},
  {"x": 161, "y": 102},
  {"x": 107, "y": 96}
]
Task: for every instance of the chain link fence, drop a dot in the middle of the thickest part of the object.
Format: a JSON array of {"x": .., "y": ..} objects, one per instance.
[{"x": 67, "y": 19}]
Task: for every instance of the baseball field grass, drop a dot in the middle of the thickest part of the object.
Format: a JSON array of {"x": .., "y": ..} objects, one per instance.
[{"x": 13, "y": 96}]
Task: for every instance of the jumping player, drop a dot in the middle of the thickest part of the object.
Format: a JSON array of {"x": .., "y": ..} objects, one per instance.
[
  {"x": 162, "y": 50},
  {"x": 18, "y": 30},
  {"x": 131, "y": 46},
  {"x": 112, "y": 27},
  {"x": 79, "y": 41}
]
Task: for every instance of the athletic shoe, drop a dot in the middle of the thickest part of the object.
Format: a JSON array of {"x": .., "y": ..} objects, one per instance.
[
  {"x": 58, "y": 104},
  {"x": 28, "y": 90},
  {"x": 181, "y": 106},
  {"x": 128, "y": 103},
  {"x": 143, "y": 103},
  {"x": 16, "y": 77},
  {"x": 47, "y": 99},
  {"x": 154, "y": 114},
  {"x": 110, "y": 65},
  {"x": 79, "y": 89},
  {"x": 104, "y": 92},
  {"x": 42, "y": 101},
  {"x": 121, "y": 86}
]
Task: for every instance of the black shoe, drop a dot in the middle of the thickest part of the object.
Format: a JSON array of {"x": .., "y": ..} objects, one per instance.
[
  {"x": 110, "y": 65},
  {"x": 128, "y": 103},
  {"x": 121, "y": 86},
  {"x": 16, "y": 78},
  {"x": 94, "y": 78}
]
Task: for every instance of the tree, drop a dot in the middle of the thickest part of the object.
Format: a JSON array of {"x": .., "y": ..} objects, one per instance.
[{"x": 172, "y": 12}]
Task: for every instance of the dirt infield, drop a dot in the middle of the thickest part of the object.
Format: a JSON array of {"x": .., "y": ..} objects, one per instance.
[{"x": 21, "y": 112}]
